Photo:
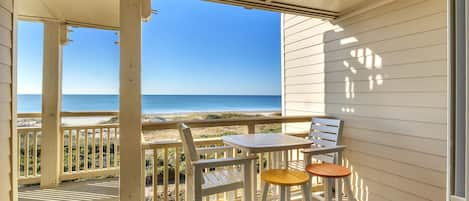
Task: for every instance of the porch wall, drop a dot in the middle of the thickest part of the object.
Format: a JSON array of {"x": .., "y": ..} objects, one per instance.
[
  {"x": 6, "y": 104},
  {"x": 384, "y": 73}
]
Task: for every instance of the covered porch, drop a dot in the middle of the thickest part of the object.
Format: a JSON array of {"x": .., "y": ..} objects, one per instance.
[{"x": 381, "y": 66}]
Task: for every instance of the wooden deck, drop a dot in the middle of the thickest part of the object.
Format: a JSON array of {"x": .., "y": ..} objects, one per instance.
[
  {"x": 93, "y": 190},
  {"x": 97, "y": 190}
]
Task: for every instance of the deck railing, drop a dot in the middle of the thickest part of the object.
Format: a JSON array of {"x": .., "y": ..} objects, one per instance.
[
  {"x": 164, "y": 160},
  {"x": 87, "y": 151},
  {"x": 93, "y": 151},
  {"x": 28, "y": 154},
  {"x": 90, "y": 151}
]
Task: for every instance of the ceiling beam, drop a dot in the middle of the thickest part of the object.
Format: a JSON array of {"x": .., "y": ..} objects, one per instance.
[{"x": 280, "y": 7}]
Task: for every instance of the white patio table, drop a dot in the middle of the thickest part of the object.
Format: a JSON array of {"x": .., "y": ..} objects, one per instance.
[{"x": 262, "y": 143}]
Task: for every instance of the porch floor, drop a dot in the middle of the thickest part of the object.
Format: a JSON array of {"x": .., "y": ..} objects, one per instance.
[{"x": 91, "y": 190}]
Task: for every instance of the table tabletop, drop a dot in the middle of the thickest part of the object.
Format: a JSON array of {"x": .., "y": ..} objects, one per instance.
[{"x": 258, "y": 143}]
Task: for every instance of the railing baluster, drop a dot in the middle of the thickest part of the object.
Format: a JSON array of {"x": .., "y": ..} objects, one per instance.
[
  {"x": 176, "y": 176},
  {"x": 297, "y": 154},
  {"x": 77, "y": 151},
  {"x": 116, "y": 142},
  {"x": 85, "y": 150},
  {"x": 35, "y": 152},
  {"x": 93, "y": 150},
  {"x": 20, "y": 133},
  {"x": 26, "y": 154},
  {"x": 108, "y": 148},
  {"x": 155, "y": 174},
  {"x": 101, "y": 148},
  {"x": 70, "y": 149},
  {"x": 165, "y": 174},
  {"x": 62, "y": 151}
]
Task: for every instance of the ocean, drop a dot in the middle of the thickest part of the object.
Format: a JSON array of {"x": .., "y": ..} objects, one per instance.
[{"x": 152, "y": 104}]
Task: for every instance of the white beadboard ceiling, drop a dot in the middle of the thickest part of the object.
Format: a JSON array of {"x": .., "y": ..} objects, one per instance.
[
  {"x": 88, "y": 13},
  {"x": 104, "y": 14},
  {"x": 327, "y": 9}
]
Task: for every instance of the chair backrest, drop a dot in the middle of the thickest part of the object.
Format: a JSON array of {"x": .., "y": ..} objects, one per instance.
[
  {"x": 326, "y": 133},
  {"x": 188, "y": 143}
]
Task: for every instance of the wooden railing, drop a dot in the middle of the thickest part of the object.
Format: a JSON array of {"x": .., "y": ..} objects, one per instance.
[
  {"x": 87, "y": 151},
  {"x": 164, "y": 160},
  {"x": 93, "y": 151},
  {"x": 28, "y": 155},
  {"x": 90, "y": 151}
]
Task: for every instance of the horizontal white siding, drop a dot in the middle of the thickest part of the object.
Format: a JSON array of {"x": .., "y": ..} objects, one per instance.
[
  {"x": 6, "y": 80},
  {"x": 384, "y": 73}
]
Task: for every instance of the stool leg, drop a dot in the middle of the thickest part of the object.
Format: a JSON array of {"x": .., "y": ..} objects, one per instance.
[
  {"x": 348, "y": 188},
  {"x": 283, "y": 193},
  {"x": 306, "y": 191},
  {"x": 328, "y": 191},
  {"x": 265, "y": 191},
  {"x": 338, "y": 189}
]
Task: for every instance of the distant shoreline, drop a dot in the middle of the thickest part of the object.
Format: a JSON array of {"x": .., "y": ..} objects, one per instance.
[
  {"x": 215, "y": 111},
  {"x": 160, "y": 104},
  {"x": 147, "y": 117},
  {"x": 159, "y": 95},
  {"x": 185, "y": 113}
]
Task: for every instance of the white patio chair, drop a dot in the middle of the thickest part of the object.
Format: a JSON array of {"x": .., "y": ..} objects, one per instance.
[
  {"x": 220, "y": 175},
  {"x": 326, "y": 135}
]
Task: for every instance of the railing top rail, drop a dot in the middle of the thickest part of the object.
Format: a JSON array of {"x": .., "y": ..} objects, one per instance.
[
  {"x": 28, "y": 128},
  {"x": 200, "y": 142},
  {"x": 74, "y": 127},
  {"x": 69, "y": 114},
  {"x": 226, "y": 122}
]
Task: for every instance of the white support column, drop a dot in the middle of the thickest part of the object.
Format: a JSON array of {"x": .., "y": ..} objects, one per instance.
[
  {"x": 51, "y": 105},
  {"x": 131, "y": 170}
]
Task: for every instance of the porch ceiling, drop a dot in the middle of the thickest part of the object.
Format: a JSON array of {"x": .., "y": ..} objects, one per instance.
[
  {"x": 327, "y": 9},
  {"x": 103, "y": 14}
]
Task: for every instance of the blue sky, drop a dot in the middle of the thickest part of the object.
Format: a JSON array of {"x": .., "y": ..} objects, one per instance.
[{"x": 194, "y": 47}]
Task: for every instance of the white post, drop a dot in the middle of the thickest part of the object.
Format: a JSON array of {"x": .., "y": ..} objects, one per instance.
[
  {"x": 131, "y": 170},
  {"x": 51, "y": 105}
]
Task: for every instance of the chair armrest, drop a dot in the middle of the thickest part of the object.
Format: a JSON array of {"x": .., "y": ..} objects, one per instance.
[
  {"x": 324, "y": 150},
  {"x": 214, "y": 149},
  {"x": 213, "y": 163}
]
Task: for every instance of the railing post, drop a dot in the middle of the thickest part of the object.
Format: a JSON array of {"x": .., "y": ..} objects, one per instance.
[
  {"x": 51, "y": 104},
  {"x": 251, "y": 128},
  {"x": 130, "y": 111}
]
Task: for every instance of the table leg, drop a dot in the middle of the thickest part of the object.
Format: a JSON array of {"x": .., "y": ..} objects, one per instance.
[{"x": 253, "y": 177}]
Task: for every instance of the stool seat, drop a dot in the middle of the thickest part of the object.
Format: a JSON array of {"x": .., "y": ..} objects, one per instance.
[
  {"x": 328, "y": 170},
  {"x": 285, "y": 177}
]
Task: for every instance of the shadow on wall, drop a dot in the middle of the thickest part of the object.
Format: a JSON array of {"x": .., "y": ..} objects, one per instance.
[{"x": 350, "y": 68}]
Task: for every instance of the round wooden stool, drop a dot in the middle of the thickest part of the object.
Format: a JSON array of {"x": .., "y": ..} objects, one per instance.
[
  {"x": 330, "y": 172},
  {"x": 285, "y": 179}
]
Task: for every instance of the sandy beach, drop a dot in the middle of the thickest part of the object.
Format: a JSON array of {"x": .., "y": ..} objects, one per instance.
[{"x": 171, "y": 134}]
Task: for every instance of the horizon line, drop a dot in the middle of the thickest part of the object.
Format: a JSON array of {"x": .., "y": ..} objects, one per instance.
[{"x": 166, "y": 94}]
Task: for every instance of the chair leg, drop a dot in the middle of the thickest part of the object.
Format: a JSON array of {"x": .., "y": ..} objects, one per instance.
[
  {"x": 306, "y": 191},
  {"x": 197, "y": 184},
  {"x": 283, "y": 193},
  {"x": 229, "y": 196},
  {"x": 348, "y": 188},
  {"x": 265, "y": 191},
  {"x": 328, "y": 182},
  {"x": 189, "y": 191}
]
